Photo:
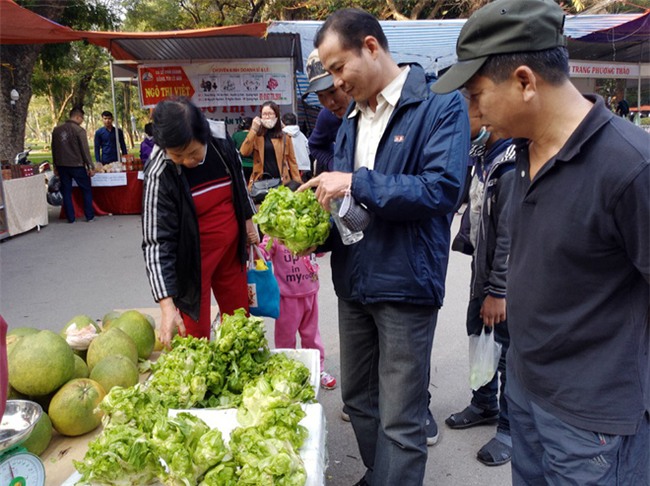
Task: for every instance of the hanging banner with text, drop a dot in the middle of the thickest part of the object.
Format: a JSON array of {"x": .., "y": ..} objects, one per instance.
[
  {"x": 607, "y": 70},
  {"x": 222, "y": 83}
]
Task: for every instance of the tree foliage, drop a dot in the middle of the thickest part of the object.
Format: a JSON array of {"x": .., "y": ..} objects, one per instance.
[
  {"x": 153, "y": 15},
  {"x": 64, "y": 72}
]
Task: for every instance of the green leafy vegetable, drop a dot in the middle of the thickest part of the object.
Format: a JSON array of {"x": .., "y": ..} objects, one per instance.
[
  {"x": 266, "y": 461},
  {"x": 120, "y": 455},
  {"x": 140, "y": 443},
  {"x": 295, "y": 218}
]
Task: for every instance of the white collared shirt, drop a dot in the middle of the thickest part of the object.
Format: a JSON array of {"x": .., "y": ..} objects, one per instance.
[{"x": 372, "y": 124}]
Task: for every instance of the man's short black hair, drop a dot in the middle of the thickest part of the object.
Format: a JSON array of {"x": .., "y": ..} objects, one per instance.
[
  {"x": 76, "y": 111},
  {"x": 107, "y": 113},
  {"x": 352, "y": 25},
  {"x": 148, "y": 129},
  {"x": 552, "y": 65},
  {"x": 177, "y": 121},
  {"x": 289, "y": 119}
]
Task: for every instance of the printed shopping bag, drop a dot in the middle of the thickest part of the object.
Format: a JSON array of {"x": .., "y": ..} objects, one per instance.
[
  {"x": 484, "y": 354},
  {"x": 263, "y": 290}
]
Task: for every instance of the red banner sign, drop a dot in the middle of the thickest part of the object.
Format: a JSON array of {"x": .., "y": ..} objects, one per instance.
[{"x": 158, "y": 83}]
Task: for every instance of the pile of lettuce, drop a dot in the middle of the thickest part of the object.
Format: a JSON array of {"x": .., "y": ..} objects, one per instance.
[
  {"x": 141, "y": 444},
  {"x": 295, "y": 218},
  {"x": 198, "y": 373}
]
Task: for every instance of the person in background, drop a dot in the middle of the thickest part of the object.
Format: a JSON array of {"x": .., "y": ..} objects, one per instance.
[
  {"x": 623, "y": 108},
  {"x": 390, "y": 284},
  {"x": 105, "y": 144},
  {"x": 71, "y": 158},
  {"x": 146, "y": 146},
  {"x": 300, "y": 144},
  {"x": 578, "y": 289},
  {"x": 297, "y": 278},
  {"x": 271, "y": 149},
  {"x": 484, "y": 235},
  {"x": 335, "y": 102},
  {"x": 239, "y": 136},
  {"x": 196, "y": 220}
]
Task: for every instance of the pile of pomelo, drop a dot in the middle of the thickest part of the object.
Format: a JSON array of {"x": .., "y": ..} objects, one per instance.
[{"x": 69, "y": 373}]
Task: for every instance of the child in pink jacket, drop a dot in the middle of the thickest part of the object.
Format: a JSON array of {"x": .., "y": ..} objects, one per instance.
[{"x": 297, "y": 278}]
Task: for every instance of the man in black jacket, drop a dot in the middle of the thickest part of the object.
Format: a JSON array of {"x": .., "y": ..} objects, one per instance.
[{"x": 71, "y": 157}]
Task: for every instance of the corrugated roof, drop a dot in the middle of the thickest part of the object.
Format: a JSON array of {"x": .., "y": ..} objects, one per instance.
[
  {"x": 432, "y": 43},
  {"x": 214, "y": 48}
]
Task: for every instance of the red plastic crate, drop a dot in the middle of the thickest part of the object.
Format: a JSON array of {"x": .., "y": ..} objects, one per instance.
[{"x": 26, "y": 170}]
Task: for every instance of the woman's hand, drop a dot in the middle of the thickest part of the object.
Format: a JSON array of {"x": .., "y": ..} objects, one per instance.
[
  {"x": 257, "y": 124},
  {"x": 252, "y": 236},
  {"x": 171, "y": 319}
]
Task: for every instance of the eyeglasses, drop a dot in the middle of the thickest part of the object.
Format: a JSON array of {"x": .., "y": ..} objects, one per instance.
[{"x": 268, "y": 115}]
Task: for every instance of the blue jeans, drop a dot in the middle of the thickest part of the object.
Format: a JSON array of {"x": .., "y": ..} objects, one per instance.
[
  {"x": 486, "y": 397},
  {"x": 385, "y": 360},
  {"x": 549, "y": 452},
  {"x": 79, "y": 174}
]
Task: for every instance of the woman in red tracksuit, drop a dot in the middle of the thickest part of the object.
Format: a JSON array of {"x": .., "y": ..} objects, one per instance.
[{"x": 196, "y": 220}]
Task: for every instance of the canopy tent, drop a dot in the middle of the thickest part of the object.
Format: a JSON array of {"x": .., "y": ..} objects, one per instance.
[
  {"x": 431, "y": 43},
  {"x": 128, "y": 49},
  {"x": 626, "y": 42},
  {"x": 21, "y": 26}
]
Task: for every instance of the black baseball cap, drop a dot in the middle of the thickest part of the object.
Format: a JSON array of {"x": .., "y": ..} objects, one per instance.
[
  {"x": 503, "y": 27},
  {"x": 319, "y": 79}
]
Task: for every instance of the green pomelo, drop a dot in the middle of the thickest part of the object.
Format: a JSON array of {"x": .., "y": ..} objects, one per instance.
[
  {"x": 40, "y": 437},
  {"x": 109, "y": 317},
  {"x": 73, "y": 408},
  {"x": 116, "y": 370},
  {"x": 40, "y": 363},
  {"x": 16, "y": 334},
  {"x": 113, "y": 341},
  {"x": 81, "y": 321},
  {"x": 22, "y": 331},
  {"x": 139, "y": 329},
  {"x": 80, "y": 367},
  {"x": 12, "y": 394},
  {"x": 151, "y": 320}
]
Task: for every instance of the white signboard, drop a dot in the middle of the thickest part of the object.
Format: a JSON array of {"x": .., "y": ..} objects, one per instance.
[
  {"x": 595, "y": 69},
  {"x": 107, "y": 179},
  {"x": 222, "y": 83}
]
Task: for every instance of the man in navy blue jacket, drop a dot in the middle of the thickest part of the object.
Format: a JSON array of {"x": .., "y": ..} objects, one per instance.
[
  {"x": 105, "y": 144},
  {"x": 403, "y": 154}
]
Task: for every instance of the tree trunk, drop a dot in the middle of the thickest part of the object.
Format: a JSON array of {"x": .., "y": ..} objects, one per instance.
[
  {"x": 17, "y": 66},
  {"x": 16, "y": 73}
]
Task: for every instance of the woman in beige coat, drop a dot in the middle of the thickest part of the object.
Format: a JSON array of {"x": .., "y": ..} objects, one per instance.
[{"x": 272, "y": 150}]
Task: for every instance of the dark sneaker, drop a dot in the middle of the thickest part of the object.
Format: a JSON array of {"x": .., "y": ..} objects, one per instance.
[
  {"x": 431, "y": 428},
  {"x": 361, "y": 482}
]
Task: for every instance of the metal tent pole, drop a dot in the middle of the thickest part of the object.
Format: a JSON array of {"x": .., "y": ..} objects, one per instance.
[{"x": 115, "y": 117}]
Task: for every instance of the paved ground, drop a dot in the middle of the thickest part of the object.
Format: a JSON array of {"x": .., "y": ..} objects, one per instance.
[{"x": 47, "y": 277}]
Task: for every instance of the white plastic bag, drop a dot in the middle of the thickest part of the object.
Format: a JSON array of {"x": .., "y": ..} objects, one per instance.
[{"x": 484, "y": 354}]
